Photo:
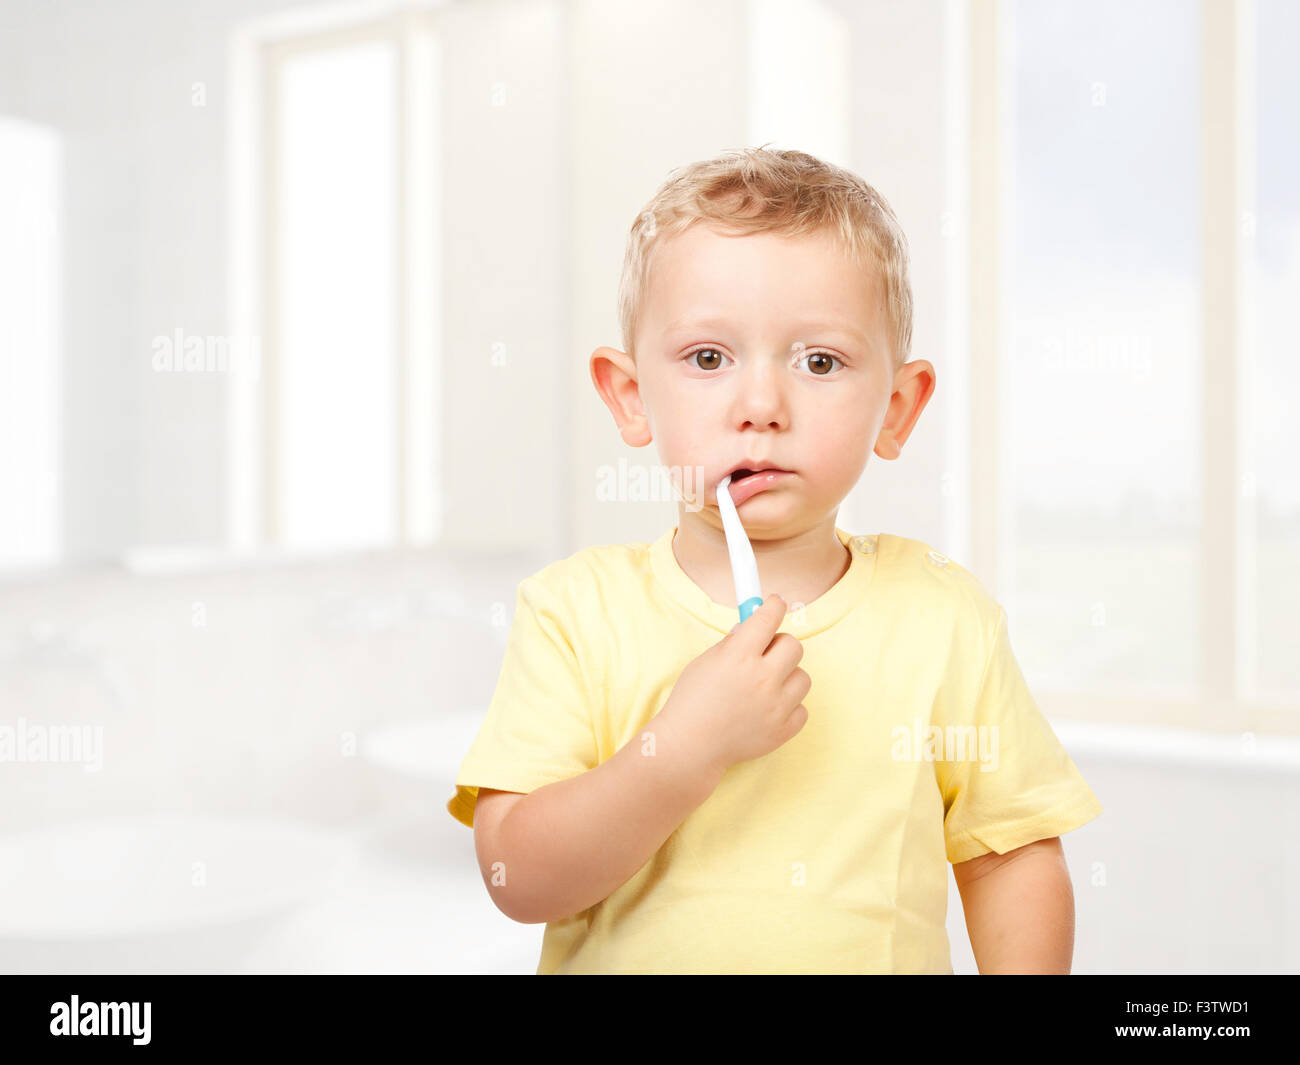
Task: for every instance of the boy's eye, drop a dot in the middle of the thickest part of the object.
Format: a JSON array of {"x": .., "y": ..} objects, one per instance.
[
  {"x": 714, "y": 352},
  {"x": 819, "y": 362},
  {"x": 823, "y": 359}
]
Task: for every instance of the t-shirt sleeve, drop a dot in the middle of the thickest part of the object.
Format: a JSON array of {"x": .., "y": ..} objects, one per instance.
[
  {"x": 538, "y": 727},
  {"x": 1016, "y": 783}
]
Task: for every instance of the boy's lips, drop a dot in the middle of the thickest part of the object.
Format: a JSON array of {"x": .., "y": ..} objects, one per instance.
[
  {"x": 746, "y": 466},
  {"x": 751, "y": 485}
]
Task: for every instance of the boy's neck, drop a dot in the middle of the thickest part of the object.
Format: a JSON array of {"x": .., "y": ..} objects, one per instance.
[{"x": 800, "y": 567}]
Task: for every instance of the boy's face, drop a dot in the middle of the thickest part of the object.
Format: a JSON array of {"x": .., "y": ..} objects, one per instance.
[{"x": 763, "y": 350}]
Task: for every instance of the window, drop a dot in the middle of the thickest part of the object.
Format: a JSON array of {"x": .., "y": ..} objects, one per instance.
[
  {"x": 333, "y": 222},
  {"x": 1102, "y": 375},
  {"x": 335, "y": 241}
]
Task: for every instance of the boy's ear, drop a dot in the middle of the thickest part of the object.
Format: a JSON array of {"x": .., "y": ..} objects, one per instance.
[
  {"x": 614, "y": 374},
  {"x": 913, "y": 386}
]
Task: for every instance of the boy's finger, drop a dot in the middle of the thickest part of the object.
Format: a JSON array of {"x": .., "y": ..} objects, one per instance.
[{"x": 762, "y": 624}]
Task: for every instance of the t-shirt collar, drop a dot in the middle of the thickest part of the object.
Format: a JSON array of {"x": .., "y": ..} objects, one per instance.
[{"x": 828, "y": 608}]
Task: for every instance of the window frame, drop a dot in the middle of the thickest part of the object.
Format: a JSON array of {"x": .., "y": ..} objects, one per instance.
[{"x": 259, "y": 49}]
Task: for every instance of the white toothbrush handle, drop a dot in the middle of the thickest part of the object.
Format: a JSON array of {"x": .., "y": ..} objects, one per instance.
[{"x": 744, "y": 569}]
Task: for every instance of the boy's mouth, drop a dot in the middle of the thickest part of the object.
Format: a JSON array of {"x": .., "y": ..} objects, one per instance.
[
  {"x": 746, "y": 482},
  {"x": 739, "y": 473}
]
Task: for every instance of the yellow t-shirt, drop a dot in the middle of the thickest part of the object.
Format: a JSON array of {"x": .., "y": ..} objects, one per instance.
[{"x": 828, "y": 854}]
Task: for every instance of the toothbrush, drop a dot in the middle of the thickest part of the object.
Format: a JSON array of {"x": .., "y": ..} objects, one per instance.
[{"x": 744, "y": 570}]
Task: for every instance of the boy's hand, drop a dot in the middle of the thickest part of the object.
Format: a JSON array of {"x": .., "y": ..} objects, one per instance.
[{"x": 742, "y": 697}]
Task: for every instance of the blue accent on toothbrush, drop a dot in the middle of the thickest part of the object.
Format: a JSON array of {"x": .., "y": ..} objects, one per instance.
[{"x": 749, "y": 606}]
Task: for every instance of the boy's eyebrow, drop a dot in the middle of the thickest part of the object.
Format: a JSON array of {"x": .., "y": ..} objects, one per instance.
[{"x": 691, "y": 325}]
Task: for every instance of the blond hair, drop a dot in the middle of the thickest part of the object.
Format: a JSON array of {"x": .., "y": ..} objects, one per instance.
[{"x": 755, "y": 190}]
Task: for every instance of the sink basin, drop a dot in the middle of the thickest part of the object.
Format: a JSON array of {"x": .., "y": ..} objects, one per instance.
[{"x": 155, "y": 894}]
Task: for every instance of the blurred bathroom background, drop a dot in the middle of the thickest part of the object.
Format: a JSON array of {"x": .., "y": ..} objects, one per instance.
[{"x": 296, "y": 302}]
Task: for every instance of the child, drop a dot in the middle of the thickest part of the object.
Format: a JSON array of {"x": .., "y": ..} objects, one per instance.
[{"x": 674, "y": 792}]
